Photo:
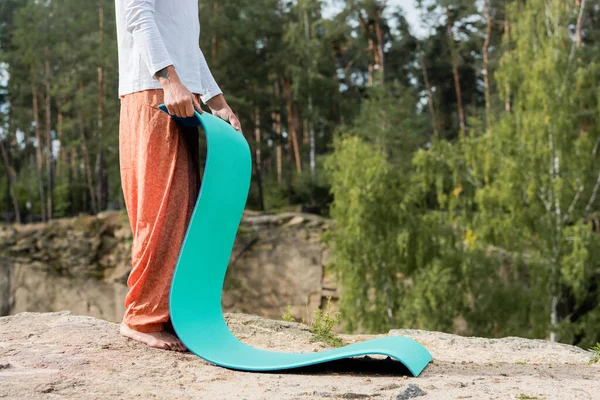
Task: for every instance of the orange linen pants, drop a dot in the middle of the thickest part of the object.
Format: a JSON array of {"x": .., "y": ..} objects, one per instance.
[{"x": 160, "y": 177}]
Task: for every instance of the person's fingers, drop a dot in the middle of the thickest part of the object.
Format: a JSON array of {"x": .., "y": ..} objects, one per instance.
[
  {"x": 197, "y": 106},
  {"x": 235, "y": 122},
  {"x": 170, "y": 109},
  {"x": 180, "y": 109},
  {"x": 188, "y": 107}
]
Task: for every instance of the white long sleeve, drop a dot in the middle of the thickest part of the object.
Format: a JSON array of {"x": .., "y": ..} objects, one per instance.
[
  {"x": 153, "y": 34},
  {"x": 209, "y": 86},
  {"x": 140, "y": 23}
]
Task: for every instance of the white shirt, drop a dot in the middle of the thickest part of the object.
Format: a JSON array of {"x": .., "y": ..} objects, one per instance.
[{"x": 153, "y": 34}]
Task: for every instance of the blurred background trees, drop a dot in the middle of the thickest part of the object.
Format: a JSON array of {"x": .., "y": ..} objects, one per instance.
[{"x": 460, "y": 165}]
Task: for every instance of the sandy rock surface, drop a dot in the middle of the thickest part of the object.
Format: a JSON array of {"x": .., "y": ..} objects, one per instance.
[{"x": 65, "y": 356}]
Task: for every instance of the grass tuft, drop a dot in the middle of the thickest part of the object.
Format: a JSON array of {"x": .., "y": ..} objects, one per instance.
[
  {"x": 322, "y": 326},
  {"x": 287, "y": 316},
  {"x": 596, "y": 353}
]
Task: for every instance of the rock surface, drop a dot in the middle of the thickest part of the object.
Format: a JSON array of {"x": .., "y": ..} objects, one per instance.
[
  {"x": 82, "y": 264},
  {"x": 61, "y": 355}
]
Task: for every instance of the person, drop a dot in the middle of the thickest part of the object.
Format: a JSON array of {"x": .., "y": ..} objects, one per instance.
[{"x": 160, "y": 61}]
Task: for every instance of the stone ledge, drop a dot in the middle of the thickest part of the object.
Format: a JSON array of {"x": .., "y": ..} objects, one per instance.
[
  {"x": 61, "y": 355},
  {"x": 82, "y": 264}
]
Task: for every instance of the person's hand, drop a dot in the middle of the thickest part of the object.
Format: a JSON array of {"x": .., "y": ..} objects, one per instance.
[
  {"x": 219, "y": 107},
  {"x": 178, "y": 99}
]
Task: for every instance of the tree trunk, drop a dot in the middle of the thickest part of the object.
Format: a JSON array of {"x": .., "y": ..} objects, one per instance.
[
  {"x": 461, "y": 110},
  {"x": 430, "y": 103},
  {"x": 73, "y": 177},
  {"x": 101, "y": 181},
  {"x": 300, "y": 131},
  {"x": 100, "y": 173},
  {"x": 290, "y": 144},
  {"x": 258, "y": 159},
  {"x": 367, "y": 29},
  {"x": 310, "y": 128},
  {"x": 371, "y": 25},
  {"x": 38, "y": 152},
  {"x": 291, "y": 125},
  {"x": 49, "y": 155},
  {"x": 276, "y": 116},
  {"x": 507, "y": 104},
  {"x": 29, "y": 203},
  {"x": 581, "y": 4},
  {"x": 60, "y": 156},
  {"x": 12, "y": 178},
  {"x": 289, "y": 169},
  {"x": 8, "y": 197},
  {"x": 297, "y": 135},
  {"x": 380, "y": 59},
  {"x": 309, "y": 139},
  {"x": 73, "y": 164},
  {"x": 313, "y": 145},
  {"x": 69, "y": 180},
  {"x": 371, "y": 66},
  {"x": 486, "y": 63},
  {"x": 86, "y": 157}
]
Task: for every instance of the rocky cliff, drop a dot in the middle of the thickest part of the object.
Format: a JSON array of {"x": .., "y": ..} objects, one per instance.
[
  {"x": 64, "y": 356},
  {"x": 82, "y": 264}
]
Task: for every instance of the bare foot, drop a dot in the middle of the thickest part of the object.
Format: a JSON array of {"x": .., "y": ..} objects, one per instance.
[{"x": 158, "y": 340}]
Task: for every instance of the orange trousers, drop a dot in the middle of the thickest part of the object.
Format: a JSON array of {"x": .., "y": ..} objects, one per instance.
[{"x": 160, "y": 177}]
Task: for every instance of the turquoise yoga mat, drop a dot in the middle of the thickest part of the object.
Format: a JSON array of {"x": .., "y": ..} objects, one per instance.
[{"x": 195, "y": 300}]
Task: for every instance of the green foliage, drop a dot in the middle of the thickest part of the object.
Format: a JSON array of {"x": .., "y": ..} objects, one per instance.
[
  {"x": 389, "y": 120},
  {"x": 527, "y": 397},
  {"x": 358, "y": 174},
  {"x": 537, "y": 178},
  {"x": 303, "y": 190},
  {"x": 323, "y": 324},
  {"x": 490, "y": 234},
  {"x": 596, "y": 354},
  {"x": 287, "y": 316}
]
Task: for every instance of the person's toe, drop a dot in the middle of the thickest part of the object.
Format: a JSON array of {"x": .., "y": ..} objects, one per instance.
[
  {"x": 163, "y": 345},
  {"x": 159, "y": 344},
  {"x": 178, "y": 346}
]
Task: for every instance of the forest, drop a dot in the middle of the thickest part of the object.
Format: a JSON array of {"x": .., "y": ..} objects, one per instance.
[{"x": 460, "y": 166}]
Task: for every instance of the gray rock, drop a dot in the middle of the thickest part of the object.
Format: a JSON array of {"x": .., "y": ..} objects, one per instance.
[
  {"x": 82, "y": 264},
  {"x": 411, "y": 392},
  {"x": 61, "y": 355}
]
